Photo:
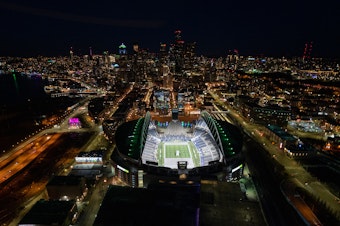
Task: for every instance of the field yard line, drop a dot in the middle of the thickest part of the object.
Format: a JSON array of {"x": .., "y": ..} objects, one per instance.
[{"x": 191, "y": 155}]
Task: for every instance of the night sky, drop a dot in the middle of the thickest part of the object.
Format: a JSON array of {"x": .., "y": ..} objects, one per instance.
[{"x": 269, "y": 28}]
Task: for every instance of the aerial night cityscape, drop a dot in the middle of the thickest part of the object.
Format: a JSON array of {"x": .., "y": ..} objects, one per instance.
[{"x": 179, "y": 113}]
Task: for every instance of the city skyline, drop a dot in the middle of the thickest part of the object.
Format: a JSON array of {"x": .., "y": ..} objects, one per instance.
[
  {"x": 261, "y": 28},
  {"x": 194, "y": 130}
]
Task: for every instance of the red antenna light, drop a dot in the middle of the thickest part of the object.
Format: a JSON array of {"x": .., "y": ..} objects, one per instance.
[
  {"x": 310, "y": 49},
  {"x": 307, "y": 50}
]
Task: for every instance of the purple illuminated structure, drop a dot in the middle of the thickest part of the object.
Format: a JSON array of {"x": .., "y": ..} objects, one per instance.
[{"x": 74, "y": 123}]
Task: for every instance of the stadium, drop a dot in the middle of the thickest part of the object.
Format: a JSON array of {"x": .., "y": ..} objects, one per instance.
[{"x": 175, "y": 146}]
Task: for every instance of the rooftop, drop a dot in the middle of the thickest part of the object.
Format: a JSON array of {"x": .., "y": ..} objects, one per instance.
[
  {"x": 48, "y": 213},
  {"x": 65, "y": 180},
  {"x": 94, "y": 153},
  {"x": 281, "y": 133},
  {"x": 156, "y": 206}
]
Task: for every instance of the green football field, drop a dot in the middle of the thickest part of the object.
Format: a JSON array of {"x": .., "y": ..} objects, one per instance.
[{"x": 171, "y": 150}]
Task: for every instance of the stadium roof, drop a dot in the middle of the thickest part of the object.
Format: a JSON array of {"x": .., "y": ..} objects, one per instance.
[
  {"x": 228, "y": 135},
  {"x": 231, "y": 137},
  {"x": 128, "y": 138}
]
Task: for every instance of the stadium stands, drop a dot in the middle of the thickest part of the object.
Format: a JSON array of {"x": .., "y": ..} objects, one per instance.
[
  {"x": 201, "y": 137},
  {"x": 209, "y": 147}
]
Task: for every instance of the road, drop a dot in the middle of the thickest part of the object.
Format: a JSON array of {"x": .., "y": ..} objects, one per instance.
[
  {"x": 290, "y": 167},
  {"x": 288, "y": 188},
  {"x": 95, "y": 199},
  {"x": 276, "y": 209},
  {"x": 25, "y": 170},
  {"x": 24, "y": 156}
]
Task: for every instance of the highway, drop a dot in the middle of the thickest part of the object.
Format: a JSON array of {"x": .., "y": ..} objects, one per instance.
[
  {"x": 288, "y": 188},
  {"x": 27, "y": 186},
  {"x": 275, "y": 208},
  {"x": 17, "y": 159},
  {"x": 292, "y": 168},
  {"x": 26, "y": 169},
  {"x": 16, "y": 162}
]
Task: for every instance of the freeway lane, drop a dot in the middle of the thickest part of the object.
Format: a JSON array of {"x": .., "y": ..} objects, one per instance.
[
  {"x": 289, "y": 166},
  {"x": 27, "y": 184},
  {"x": 20, "y": 159},
  {"x": 288, "y": 188},
  {"x": 275, "y": 207},
  {"x": 25, "y": 170}
]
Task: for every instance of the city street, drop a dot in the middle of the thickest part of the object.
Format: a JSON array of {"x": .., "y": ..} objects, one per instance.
[{"x": 300, "y": 176}]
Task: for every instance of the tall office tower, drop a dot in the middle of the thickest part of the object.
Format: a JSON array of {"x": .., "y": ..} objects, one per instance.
[
  {"x": 122, "y": 49},
  {"x": 106, "y": 57},
  {"x": 136, "y": 60},
  {"x": 232, "y": 59},
  {"x": 71, "y": 53},
  {"x": 178, "y": 36},
  {"x": 90, "y": 52},
  {"x": 162, "y": 47},
  {"x": 189, "y": 55},
  {"x": 135, "y": 48},
  {"x": 232, "y": 56},
  {"x": 177, "y": 52},
  {"x": 307, "y": 51},
  {"x": 163, "y": 53},
  {"x": 167, "y": 77}
]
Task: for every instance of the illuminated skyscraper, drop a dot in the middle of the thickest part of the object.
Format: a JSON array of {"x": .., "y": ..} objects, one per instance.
[
  {"x": 106, "y": 57},
  {"x": 163, "y": 52},
  {"x": 181, "y": 53},
  {"x": 189, "y": 55},
  {"x": 122, "y": 49},
  {"x": 71, "y": 53},
  {"x": 167, "y": 77},
  {"x": 307, "y": 50},
  {"x": 135, "y": 48},
  {"x": 90, "y": 49},
  {"x": 177, "y": 51}
]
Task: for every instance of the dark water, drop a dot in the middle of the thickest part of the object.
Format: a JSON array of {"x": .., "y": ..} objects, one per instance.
[
  {"x": 17, "y": 89},
  {"x": 23, "y": 106}
]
